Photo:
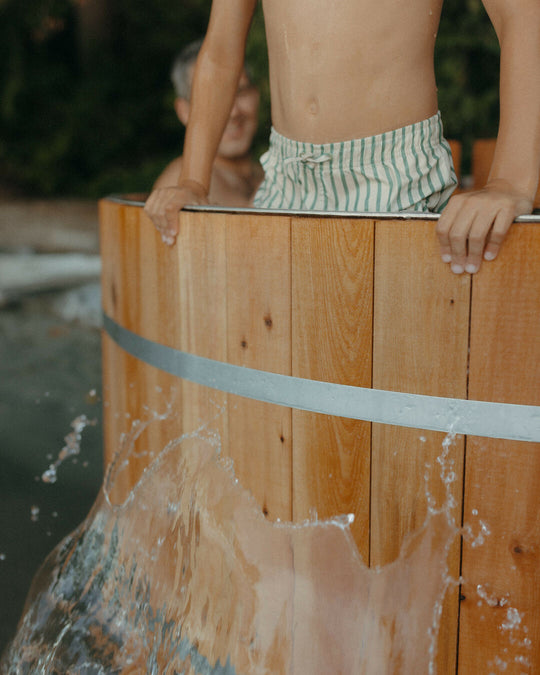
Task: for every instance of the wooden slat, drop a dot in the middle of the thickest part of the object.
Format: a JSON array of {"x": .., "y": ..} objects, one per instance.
[
  {"x": 140, "y": 415},
  {"x": 139, "y": 285},
  {"x": 259, "y": 336},
  {"x": 202, "y": 317},
  {"x": 109, "y": 239},
  {"x": 332, "y": 321},
  {"x": 121, "y": 389},
  {"x": 420, "y": 335},
  {"x": 114, "y": 388},
  {"x": 502, "y": 569}
]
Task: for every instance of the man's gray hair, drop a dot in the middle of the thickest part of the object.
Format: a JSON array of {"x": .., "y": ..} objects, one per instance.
[{"x": 181, "y": 71}]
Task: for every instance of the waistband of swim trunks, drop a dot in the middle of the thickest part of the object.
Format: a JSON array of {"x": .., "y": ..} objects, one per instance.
[{"x": 425, "y": 134}]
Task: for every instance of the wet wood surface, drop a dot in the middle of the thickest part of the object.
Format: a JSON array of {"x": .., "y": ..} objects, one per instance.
[
  {"x": 332, "y": 289},
  {"x": 501, "y": 563},
  {"x": 420, "y": 346}
]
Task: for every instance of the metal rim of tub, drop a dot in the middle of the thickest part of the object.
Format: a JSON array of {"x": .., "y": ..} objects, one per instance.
[{"x": 139, "y": 200}]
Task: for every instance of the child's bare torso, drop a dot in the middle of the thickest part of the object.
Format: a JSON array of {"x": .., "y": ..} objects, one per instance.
[{"x": 344, "y": 69}]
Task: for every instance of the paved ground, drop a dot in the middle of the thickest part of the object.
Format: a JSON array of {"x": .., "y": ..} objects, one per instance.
[
  {"x": 50, "y": 373},
  {"x": 49, "y": 226}
]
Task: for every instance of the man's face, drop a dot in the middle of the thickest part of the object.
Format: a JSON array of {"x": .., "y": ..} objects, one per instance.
[{"x": 242, "y": 125}]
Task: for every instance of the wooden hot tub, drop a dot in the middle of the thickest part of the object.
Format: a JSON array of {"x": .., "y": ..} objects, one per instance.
[{"x": 264, "y": 313}]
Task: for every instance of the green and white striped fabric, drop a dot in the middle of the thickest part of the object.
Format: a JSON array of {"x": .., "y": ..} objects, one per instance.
[{"x": 409, "y": 169}]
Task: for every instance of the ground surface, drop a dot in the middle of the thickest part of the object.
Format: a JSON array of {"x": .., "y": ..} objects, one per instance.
[{"x": 50, "y": 373}]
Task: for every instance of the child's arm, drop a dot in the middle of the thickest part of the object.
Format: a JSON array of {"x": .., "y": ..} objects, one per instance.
[
  {"x": 475, "y": 224},
  {"x": 215, "y": 81}
]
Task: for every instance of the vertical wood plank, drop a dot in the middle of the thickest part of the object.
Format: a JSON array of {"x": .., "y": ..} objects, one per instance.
[
  {"x": 139, "y": 284},
  {"x": 420, "y": 336},
  {"x": 332, "y": 263},
  {"x": 140, "y": 416},
  {"x": 202, "y": 316},
  {"x": 259, "y": 336},
  {"x": 500, "y": 611}
]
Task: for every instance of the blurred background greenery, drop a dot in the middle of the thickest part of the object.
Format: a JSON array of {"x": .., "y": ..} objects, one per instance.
[{"x": 86, "y": 101}]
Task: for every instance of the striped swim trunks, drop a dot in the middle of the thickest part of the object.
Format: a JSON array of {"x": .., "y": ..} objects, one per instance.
[{"x": 409, "y": 169}]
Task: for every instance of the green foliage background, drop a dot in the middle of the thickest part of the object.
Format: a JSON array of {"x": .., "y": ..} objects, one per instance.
[{"x": 92, "y": 118}]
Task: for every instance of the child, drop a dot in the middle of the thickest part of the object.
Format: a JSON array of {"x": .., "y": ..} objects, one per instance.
[{"x": 355, "y": 121}]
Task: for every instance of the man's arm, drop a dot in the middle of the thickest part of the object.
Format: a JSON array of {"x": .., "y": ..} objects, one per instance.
[
  {"x": 215, "y": 82},
  {"x": 474, "y": 225}
]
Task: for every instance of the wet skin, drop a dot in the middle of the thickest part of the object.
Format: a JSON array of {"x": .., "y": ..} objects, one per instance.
[{"x": 345, "y": 69}]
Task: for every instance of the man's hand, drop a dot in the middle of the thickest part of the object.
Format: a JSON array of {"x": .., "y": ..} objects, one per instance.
[
  {"x": 164, "y": 204},
  {"x": 473, "y": 225}
]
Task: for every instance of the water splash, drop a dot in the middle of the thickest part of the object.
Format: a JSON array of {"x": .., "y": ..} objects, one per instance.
[
  {"x": 71, "y": 448},
  {"x": 187, "y": 576}
]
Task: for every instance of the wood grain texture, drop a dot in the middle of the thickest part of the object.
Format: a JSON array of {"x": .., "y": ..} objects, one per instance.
[
  {"x": 331, "y": 341},
  {"x": 139, "y": 283},
  {"x": 141, "y": 405},
  {"x": 420, "y": 333},
  {"x": 259, "y": 336},
  {"x": 201, "y": 314},
  {"x": 500, "y": 613},
  {"x": 361, "y": 303}
]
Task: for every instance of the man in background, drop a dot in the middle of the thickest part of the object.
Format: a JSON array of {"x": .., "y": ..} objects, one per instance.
[{"x": 235, "y": 176}]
